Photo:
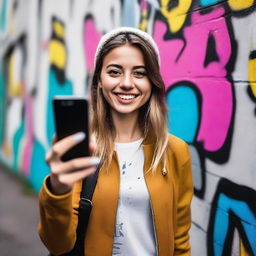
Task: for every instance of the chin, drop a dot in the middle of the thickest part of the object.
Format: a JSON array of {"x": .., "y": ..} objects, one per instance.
[{"x": 125, "y": 111}]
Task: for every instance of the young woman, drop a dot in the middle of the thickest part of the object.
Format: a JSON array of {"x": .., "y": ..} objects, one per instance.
[{"x": 141, "y": 203}]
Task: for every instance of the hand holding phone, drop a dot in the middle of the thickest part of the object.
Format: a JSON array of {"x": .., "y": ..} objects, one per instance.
[
  {"x": 69, "y": 158},
  {"x": 65, "y": 174}
]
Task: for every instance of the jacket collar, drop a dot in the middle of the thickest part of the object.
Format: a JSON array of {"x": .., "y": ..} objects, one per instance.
[{"x": 150, "y": 139}]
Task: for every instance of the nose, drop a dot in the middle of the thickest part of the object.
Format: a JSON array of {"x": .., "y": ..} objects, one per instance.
[{"x": 126, "y": 82}]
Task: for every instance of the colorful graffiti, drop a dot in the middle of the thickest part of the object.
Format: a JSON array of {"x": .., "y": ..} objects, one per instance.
[
  {"x": 232, "y": 209},
  {"x": 210, "y": 88},
  {"x": 208, "y": 63},
  {"x": 57, "y": 82}
]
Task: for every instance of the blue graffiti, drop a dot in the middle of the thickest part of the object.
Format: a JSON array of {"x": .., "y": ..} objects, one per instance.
[
  {"x": 55, "y": 88},
  {"x": 3, "y": 15},
  {"x": 17, "y": 139},
  {"x": 183, "y": 116},
  {"x": 240, "y": 209},
  {"x": 205, "y": 3},
  {"x": 38, "y": 167}
]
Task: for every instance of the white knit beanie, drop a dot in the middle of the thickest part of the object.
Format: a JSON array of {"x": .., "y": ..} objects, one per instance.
[{"x": 122, "y": 30}]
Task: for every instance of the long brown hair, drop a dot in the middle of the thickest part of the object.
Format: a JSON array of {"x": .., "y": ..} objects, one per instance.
[{"x": 152, "y": 116}]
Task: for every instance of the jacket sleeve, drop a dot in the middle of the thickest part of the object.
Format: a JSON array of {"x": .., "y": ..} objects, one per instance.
[
  {"x": 185, "y": 193},
  {"x": 57, "y": 226}
]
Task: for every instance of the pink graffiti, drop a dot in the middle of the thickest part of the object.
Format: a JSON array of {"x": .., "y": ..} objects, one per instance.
[
  {"x": 184, "y": 61},
  {"x": 91, "y": 38},
  {"x": 28, "y": 134},
  {"x": 144, "y": 5}
]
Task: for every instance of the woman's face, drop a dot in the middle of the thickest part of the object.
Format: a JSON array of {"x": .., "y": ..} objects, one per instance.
[{"x": 124, "y": 81}]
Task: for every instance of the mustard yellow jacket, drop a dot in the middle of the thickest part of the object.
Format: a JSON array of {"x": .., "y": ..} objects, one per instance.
[{"x": 170, "y": 195}]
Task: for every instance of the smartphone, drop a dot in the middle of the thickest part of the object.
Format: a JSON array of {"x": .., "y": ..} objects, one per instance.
[{"x": 71, "y": 115}]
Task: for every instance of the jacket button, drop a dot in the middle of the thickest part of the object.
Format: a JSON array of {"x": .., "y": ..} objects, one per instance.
[{"x": 164, "y": 171}]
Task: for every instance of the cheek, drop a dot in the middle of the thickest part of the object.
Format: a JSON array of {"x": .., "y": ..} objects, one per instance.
[
  {"x": 108, "y": 83},
  {"x": 146, "y": 89},
  {"x": 105, "y": 93}
]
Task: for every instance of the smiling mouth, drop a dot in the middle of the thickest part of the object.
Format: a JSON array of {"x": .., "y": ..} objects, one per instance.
[{"x": 126, "y": 96}]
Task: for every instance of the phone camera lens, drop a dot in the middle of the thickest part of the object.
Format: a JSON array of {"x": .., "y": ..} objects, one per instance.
[{"x": 67, "y": 103}]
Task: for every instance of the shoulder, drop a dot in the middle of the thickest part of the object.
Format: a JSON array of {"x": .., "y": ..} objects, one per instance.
[
  {"x": 178, "y": 148},
  {"x": 175, "y": 141}
]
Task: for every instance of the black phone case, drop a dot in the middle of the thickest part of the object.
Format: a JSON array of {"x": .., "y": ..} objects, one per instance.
[{"x": 71, "y": 116}]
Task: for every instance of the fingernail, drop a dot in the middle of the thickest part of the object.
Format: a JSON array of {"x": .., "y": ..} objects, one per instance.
[
  {"x": 95, "y": 160},
  {"x": 79, "y": 136}
]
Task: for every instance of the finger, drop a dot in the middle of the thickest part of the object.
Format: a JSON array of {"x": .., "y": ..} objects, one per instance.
[
  {"x": 75, "y": 165},
  {"x": 54, "y": 139},
  {"x": 92, "y": 147},
  {"x": 60, "y": 147},
  {"x": 92, "y": 144},
  {"x": 71, "y": 178},
  {"x": 48, "y": 156}
]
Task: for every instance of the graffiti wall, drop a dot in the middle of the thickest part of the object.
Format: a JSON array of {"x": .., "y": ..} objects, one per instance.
[{"x": 208, "y": 62}]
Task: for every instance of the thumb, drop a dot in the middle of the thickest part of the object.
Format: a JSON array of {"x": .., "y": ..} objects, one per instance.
[{"x": 92, "y": 144}]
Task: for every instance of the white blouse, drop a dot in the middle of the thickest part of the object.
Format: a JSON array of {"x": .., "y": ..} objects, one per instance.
[{"x": 134, "y": 233}]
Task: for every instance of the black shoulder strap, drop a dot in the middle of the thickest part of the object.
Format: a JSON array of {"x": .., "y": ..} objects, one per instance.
[
  {"x": 85, "y": 206},
  {"x": 89, "y": 185},
  {"x": 84, "y": 210}
]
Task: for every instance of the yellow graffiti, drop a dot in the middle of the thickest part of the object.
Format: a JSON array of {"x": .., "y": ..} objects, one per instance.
[
  {"x": 57, "y": 54},
  {"x": 144, "y": 20},
  {"x": 176, "y": 16},
  {"x": 238, "y": 5},
  {"x": 59, "y": 29},
  {"x": 14, "y": 86},
  {"x": 243, "y": 251},
  {"x": 57, "y": 49},
  {"x": 6, "y": 149},
  {"x": 252, "y": 75}
]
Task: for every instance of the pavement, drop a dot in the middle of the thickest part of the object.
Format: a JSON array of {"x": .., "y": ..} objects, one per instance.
[{"x": 19, "y": 217}]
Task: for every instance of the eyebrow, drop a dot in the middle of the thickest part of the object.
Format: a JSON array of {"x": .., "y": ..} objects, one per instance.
[{"x": 120, "y": 67}]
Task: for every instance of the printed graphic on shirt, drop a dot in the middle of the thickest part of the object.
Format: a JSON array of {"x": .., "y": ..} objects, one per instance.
[
  {"x": 117, "y": 249},
  {"x": 118, "y": 234},
  {"x": 124, "y": 166},
  {"x": 119, "y": 230}
]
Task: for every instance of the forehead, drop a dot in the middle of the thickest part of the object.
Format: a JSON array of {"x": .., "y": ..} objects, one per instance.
[{"x": 125, "y": 55}]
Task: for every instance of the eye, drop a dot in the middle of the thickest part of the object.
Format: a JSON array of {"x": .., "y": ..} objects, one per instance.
[
  {"x": 114, "y": 72},
  {"x": 140, "y": 74}
]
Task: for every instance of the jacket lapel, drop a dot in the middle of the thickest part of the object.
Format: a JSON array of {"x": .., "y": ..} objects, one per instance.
[
  {"x": 161, "y": 196},
  {"x": 103, "y": 215}
]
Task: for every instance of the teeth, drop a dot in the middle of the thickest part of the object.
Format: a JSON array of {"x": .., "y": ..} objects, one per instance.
[{"x": 126, "y": 97}]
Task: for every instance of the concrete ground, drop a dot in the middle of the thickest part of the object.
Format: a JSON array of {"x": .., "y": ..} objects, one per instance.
[{"x": 18, "y": 218}]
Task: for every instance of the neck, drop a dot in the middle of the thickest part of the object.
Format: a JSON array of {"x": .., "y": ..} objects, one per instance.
[{"x": 127, "y": 127}]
